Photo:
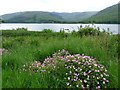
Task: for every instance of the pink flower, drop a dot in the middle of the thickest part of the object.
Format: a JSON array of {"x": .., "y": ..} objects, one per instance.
[
  {"x": 84, "y": 74},
  {"x": 85, "y": 81},
  {"x": 79, "y": 62},
  {"x": 95, "y": 64},
  {"x": 83, "y": 86}
]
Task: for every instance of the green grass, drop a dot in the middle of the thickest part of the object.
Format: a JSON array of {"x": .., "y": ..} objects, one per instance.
[{"x": 25, "y": 47}]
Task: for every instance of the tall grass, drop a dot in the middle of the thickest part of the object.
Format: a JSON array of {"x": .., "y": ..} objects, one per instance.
[{"x": 25, "y": 47}]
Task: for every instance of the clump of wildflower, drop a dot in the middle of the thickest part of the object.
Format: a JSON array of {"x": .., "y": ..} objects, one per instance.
[
  {"x": 81, "y": 71},
  {"x": 85, "y": 71}
]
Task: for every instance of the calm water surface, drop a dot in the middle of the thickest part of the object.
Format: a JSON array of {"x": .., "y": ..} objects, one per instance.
[{"x": 56, "y": 27}]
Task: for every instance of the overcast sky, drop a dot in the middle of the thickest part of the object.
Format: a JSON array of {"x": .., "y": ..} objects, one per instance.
[{"x": 10, "y": 6}]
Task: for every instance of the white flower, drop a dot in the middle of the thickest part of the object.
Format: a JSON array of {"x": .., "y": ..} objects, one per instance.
[
  {"x": 67, "y": 84},
  {"x": 88, "y": 78},
  {"x": 103, "y": 82},
  {"x": 98, "y": 70},
  {"x": 77, "y": 85},
  {"x": 105, "y": 70},
  {"x": 68, "y": 78},
  {"x": 98, "y": 83},
  {"x": 23, "y": 65},
  {"x": 87, "y": 85},
  {"x": 101, "y": 75},
  {"x": 104, "y": 78},
  {"x": 89, "y": 66},
  {"x": 97, "y": 77},
  {"x": 76, "y": 70},
  {"x": 80, "y": 69},
  {"x": 81, "y": 81}
]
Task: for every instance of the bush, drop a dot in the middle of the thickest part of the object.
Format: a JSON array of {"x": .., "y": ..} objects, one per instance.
[
  {"x": 80, "y": 71},
  {"x": 47, "y": 31}
]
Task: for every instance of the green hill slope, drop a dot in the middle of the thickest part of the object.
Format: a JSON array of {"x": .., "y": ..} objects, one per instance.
[
  {"x": 76, "y": 16},
  {"x": 31, "y": 17},
  {"x": 108, "y": 15},
  {"x": 43, "y": 17}
]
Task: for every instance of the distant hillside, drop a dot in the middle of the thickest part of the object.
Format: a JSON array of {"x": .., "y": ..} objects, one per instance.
[
  {"x": 108, "y": 15},
  {"x": 31, "y": 17},
  {"x": 76, "y": 16},
  {"x": 43, "y": 17}
]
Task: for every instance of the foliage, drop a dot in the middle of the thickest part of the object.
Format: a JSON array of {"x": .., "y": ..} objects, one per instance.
[
  {"x": 23, "y": 47},
  {"x": 81, "y": 71},
  {"x": 46, "y": 31}
]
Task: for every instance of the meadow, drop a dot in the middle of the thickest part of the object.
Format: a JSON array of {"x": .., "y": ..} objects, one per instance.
[{"x": 24, "y": 47}]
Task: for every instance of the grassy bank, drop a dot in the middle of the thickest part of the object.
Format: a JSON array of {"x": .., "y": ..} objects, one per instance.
[{"x": 24, "y": 46}]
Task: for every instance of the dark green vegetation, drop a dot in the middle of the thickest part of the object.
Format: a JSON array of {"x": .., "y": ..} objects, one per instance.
[
  {"x": 108, "y": 15},
  {"x": 46, "y": 17},
  {"x": 23, "y": 47}
]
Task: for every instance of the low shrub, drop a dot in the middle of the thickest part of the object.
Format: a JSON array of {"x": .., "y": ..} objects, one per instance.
[
  {"x": 46, "y": 31},
  {"x": 80, "y": 71}
]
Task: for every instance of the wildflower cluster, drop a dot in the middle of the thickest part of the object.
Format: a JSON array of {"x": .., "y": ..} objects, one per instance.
[
  {"x": 81, "y": 71},
  {"x": 85, "y": 72}
]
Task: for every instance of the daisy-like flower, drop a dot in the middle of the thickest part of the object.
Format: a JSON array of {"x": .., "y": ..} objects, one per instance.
[
  {"x": 103, "y": 82},
  {"x": 95, "y": 65},
  {"x": 85, "y": 81},
  {"x": 79, "y": 62},
  {"x": 84, "y": 74},
  {"x": 101, "y": 75},
  {"x": 104, "y": 78},
  {"x": 77, "y": 85},
  {"x": 89, "y": 66},
  {"x": 68, "y": 78},
  {"x": 98, "y": 70},
  {"x": 98, "y": 83},
  {"x": 23, "y": 65},
  {"x": 81, "y": 81},
  {"x": 97, "y": 77},
  {"x": 81, "y": 69},
  {"x": 105, "y": 70},
  {"x": 83, "y": 86},
  {"x": 87, "y": 85},
  {"x": 89, "y": 71},
  {"x": 76, "y": 70},
  {"x": 67, "y": 84},
  {"x": 107, "y": 81},
  {"x": 98, "y": 86}
]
